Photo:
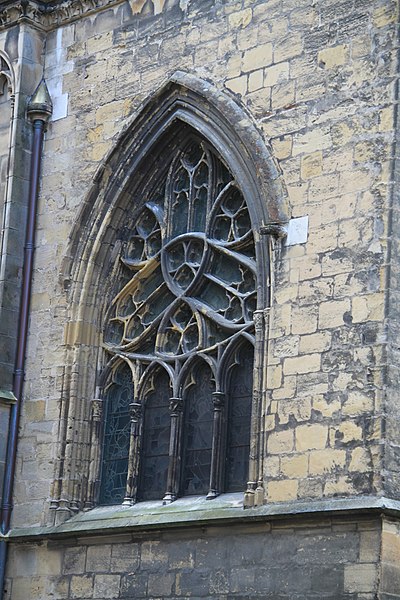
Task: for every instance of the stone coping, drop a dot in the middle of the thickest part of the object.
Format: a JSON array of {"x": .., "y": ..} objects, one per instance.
[{"x": 196, "y": 512}]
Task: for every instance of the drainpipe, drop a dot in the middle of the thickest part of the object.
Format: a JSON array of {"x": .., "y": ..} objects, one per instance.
[{"x": 39, "y": 111}]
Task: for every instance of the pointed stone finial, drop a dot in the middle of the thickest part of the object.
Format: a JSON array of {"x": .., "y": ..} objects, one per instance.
[{"x": 40, "y": 106}]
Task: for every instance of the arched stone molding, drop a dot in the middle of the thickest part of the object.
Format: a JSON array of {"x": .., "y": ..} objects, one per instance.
[
  {"x": 7, "y": 132},
  {"x": 91, "y": 267},
  {"x": 7, "y": 99},
  {"x": 6, "y": 75}
]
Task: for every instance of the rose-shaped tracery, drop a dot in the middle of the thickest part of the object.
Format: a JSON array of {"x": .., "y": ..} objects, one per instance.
[
  {"x": 191, "y": 252},
  {"x": 188, "y": 269}
]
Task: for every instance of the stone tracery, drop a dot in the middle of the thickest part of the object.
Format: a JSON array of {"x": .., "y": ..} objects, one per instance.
[{"x": 192, "y": 290}]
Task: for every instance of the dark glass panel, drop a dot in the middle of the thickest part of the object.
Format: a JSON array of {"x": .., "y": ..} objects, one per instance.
[
  {"x": 134, "y": 328},
  {"x": 155, "y": 438},
  {"x": 135, "y": 248},
  {"x": 116, "y": 438},
  {"x": 114, "y": 332},
  {"x": 126, "y": 306},
  {"x": 200, "y": 183},
  {"x": 185, "y": 293},
  {"x": 227, "y": 269},
  {"x": 240, "y": 396},
  {"x": 146, "y": 223},
  {"x": 215, "y": 296},
  {"x": 198, "y": 429},
  {"x": 147, "y": 285}
]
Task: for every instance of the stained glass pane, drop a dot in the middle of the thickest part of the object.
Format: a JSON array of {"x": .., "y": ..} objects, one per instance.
[
  {"x": 239, "y": 400},
  {"x": 155, "y": 438},
  {"x": 116, "y": 438},
  {"x": 198, "y": 433},
  {"x": 189, "y": 255}
]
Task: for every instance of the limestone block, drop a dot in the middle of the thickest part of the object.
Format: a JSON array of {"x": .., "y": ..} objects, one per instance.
[
  {"x": 274, "y": 377},
  {"x": 98, "y": 558},
  {"x": 311, "y": 165},
  {"x": 358, "y": 403},
  {"x": 340, "y": 486},
  {"x": 256, "y": 80},
  {"x": 326, "y": 461},
  {"x": 294, "y": 466},
  {"x": 238, "y": 84},
  {"x": 326, "y": 405},
  {"x": 288, "y": 47},
  {"x": 304, "y": 319},
  {"x": 241, "y": 18},
  {"x": 106, "y": 586},
  {"x": 281, "y": 491},
  {"x": 360, "y": 460},
  {"x": 333, "y": 57},
  {"x": 346, "y": 432},
  {"x": 383, "y": 16},
  {"x": 332, "y": 313},
  {"x": 276, "y": 74},
  {"x": 81, "y": 586},
  {"x": 311, "y": 141},
  {"x": 287, "y": 390},
  {"x": 258, "y": 57},
  {"x": 308, "y": 363},
  {"x": 309, "y": 437},
  {"x": 283, "y": 95},
  {"x": 280, "y": 442},
  {"x": 282, "y": 147},
  {"x": 315, "y": 342},
  {"x": 360, "y": 578},
  {"x": 299, "y": 409}
]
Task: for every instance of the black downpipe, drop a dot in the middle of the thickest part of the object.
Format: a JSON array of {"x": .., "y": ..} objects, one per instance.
[{"x": 39, "y": 110}]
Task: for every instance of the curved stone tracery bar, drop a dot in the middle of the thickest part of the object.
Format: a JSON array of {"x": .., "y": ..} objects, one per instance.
[{"x": 191, "y": 257}]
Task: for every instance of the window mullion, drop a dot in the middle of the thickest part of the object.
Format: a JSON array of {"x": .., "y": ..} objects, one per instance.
[
  {"x": 218, "y": 445},
  {"x": 95, "y": 452},
  {"x": 133, "y": 457},
  {"x": 174, "y": 465}
]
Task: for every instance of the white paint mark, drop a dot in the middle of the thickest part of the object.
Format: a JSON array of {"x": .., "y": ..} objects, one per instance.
[
  {"x": 60, "y": 107},
  {"x": 297, "y": 231},
  {"x": 56, "y": 67}
]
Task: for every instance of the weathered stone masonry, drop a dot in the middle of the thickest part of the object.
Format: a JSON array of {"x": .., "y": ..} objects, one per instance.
[{"x": 318, "y": 81}]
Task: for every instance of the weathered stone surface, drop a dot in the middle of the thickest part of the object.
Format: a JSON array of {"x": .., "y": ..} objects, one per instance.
[{"x": 318, "y": 81}]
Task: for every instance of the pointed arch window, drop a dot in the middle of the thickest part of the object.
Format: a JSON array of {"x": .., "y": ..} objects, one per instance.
[{"x": 181, "y": 323}]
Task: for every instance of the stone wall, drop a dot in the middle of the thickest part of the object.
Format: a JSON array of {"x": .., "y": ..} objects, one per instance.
[
  {"x": 330, "y": 559},
  {"x": 320, "y": 83},
  {"x": 317, "y": 78}
]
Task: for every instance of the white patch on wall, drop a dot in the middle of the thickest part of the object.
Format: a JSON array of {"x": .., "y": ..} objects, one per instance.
[
  {"x": 56, "y": 67},
  {"x": 297, "y": 231}
]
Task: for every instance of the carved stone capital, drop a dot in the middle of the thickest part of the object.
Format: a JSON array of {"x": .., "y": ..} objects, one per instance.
[
  {"x": 258, "y": 317},
  {"x": 218, "y": 400},
  {"x": 175, "y": 406},
  {"x": 136, "y": 411},
  {"x": 97, "y": 409}
]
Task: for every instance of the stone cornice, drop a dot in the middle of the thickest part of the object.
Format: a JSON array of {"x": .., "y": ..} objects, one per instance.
[
  {"x": 48, "y": 15},
  {"x": 198, "y": 512}
]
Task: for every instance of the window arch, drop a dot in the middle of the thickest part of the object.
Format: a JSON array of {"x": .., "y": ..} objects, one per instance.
[
  {"x": 118, "y": 397},
  {"x": 187, "y": 293},
  {"x": 155, "y": 436},
  {"x": 91, "y": 275}
]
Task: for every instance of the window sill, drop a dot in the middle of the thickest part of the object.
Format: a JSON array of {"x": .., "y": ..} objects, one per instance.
[{"x": 196, "y": 511}]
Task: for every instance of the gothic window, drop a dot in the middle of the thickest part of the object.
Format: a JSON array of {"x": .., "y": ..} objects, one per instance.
[{"x": 179, "y": 334}]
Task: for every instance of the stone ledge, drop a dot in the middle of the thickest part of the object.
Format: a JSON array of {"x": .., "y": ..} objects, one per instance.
[{"x": 198, "y": 512}]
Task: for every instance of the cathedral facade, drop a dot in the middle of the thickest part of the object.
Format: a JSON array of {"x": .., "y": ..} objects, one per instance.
[{"x": 199, "y": 392}]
